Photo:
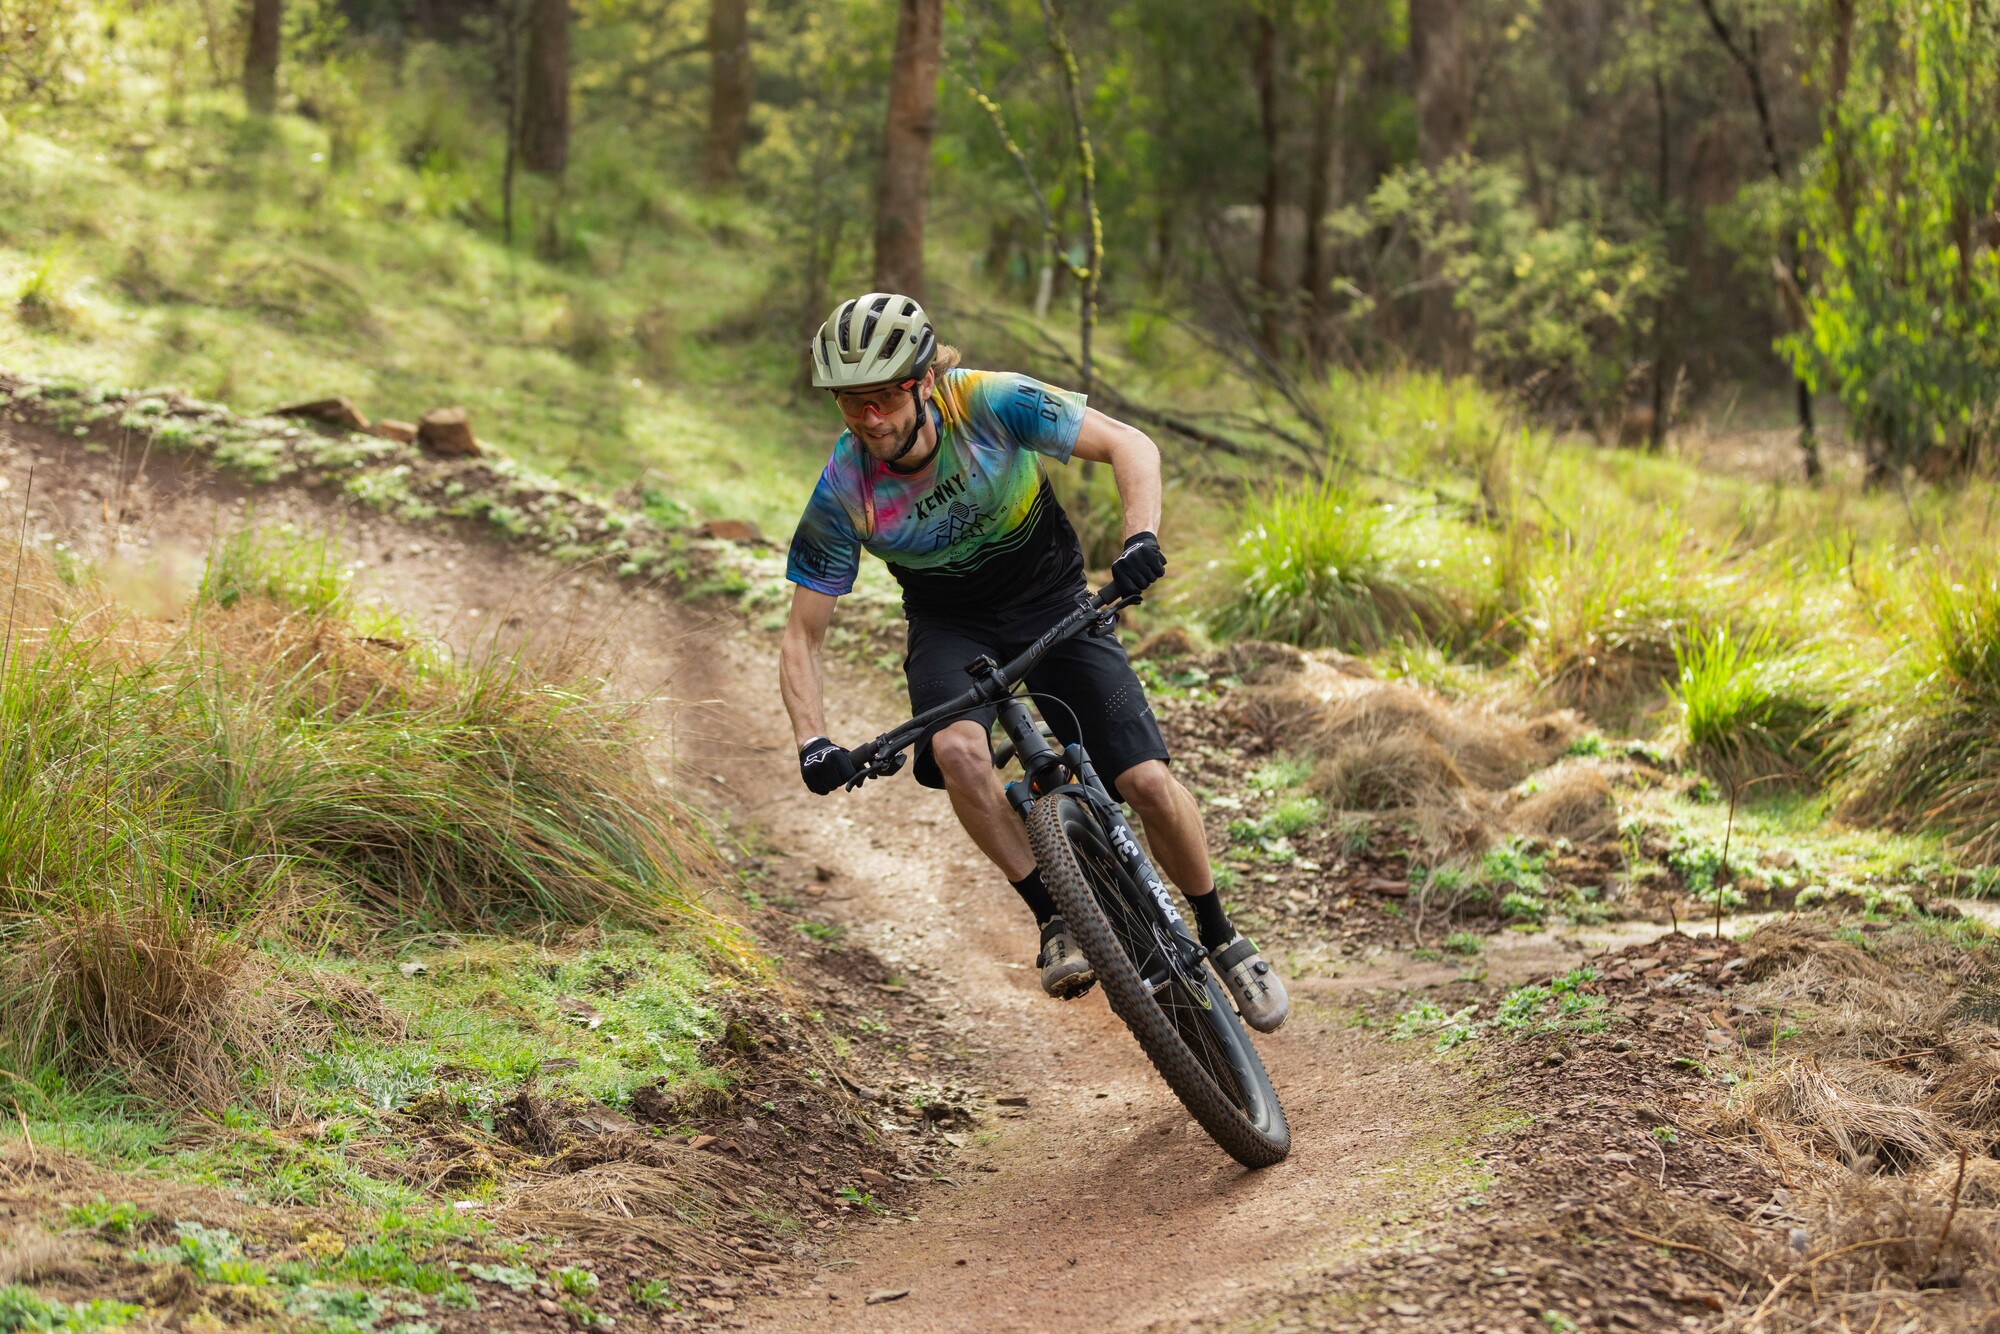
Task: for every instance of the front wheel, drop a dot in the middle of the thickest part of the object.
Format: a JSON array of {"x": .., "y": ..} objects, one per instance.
[{"x": 1182, "y": 1018}]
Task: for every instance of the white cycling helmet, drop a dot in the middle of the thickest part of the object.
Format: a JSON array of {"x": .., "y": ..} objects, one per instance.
[{"x": 880, "y": 338}]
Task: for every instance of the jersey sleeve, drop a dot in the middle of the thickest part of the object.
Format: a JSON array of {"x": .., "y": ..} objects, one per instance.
[
  {"x": 1031, "y": 414},
  {"x": 825, "y": 553}
]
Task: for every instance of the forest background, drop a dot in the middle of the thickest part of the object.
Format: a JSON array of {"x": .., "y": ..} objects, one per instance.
[{"x": 1452, "y": 317}]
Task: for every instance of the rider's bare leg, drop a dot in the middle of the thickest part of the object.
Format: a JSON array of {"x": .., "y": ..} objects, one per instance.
[
  {"x": 980, "y": 802},
  {"x": 1172, "y": 825}
]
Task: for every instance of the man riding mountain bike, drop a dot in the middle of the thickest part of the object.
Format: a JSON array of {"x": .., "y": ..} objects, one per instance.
[{"x": 939, "y": 473}]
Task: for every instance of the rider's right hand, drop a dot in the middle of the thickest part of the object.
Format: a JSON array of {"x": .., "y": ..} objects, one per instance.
[{"x": 825, "y": 766}]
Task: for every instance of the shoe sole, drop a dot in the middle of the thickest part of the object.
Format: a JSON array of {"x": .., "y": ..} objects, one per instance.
[
  {"x": 1270, "y": 1027},
  {"x": 1069, "y": 988}
]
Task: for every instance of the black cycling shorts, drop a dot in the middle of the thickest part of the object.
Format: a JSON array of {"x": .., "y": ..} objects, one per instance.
[{"x": 1084, "y": 683}]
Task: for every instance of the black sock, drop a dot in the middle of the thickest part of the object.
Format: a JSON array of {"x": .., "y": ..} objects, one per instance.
[
  {"x": 1036, "y": 895},
  {"x": 1211, "y": 923}
]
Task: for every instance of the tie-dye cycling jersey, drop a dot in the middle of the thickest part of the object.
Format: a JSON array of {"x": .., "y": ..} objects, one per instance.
[{"x": 977, "y": 529}]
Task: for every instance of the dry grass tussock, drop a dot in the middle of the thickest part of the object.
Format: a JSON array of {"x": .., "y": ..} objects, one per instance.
[
  {"x": 172, "y": 795},
  {"x": 1447, "y": 766},
  {"x": 1872, "y": 1075},
  {"x": 179, "y": 1007}
]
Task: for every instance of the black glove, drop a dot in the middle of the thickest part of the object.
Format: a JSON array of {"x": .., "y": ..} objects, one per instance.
[
  {"x": 1142, "y": 563},
  {"x": 825, "y": 766}
]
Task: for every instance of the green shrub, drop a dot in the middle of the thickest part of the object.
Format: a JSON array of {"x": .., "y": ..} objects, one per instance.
[
  {"x": 1750, "y": 713},
  {"x": 1313, "y": 566}
]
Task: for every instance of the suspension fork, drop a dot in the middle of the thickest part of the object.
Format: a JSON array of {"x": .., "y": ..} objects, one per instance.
[{"x": 1041, "y": 763}]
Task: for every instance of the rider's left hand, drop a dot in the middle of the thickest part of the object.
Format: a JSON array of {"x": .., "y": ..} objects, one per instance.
[
  {"x": 1141, "y": 564},
  {"x": 826, "y": 767}
]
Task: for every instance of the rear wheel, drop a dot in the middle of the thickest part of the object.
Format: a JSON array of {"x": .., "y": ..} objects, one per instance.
[{"x": 1181, "y": 1017}]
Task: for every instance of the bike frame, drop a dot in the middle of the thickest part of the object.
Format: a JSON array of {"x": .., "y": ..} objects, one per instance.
[{"x": 1046, "y": 771}]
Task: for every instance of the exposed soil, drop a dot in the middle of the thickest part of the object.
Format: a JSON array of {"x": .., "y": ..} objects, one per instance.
[{"x": 1022, "y": 1166}]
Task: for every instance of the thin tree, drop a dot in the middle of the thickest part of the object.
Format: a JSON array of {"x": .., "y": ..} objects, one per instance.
[
  {"x": 1087, "y": 273},
  {"x": 1091, "y": 273},
  {"x": 260, "y": 56},
  {"x": 544, "y": 132},
  {"x": 903, "y": 188},
  {"x": 1271, "y": 130},
  {"x": 1786, "y": 264},
  {"x": 731, "y": 86}
]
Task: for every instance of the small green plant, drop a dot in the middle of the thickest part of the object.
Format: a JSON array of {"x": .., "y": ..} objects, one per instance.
[
  {"x": 578, "y": 1283},
  {"x": 655, "y": 1294},
  {"x": 1428, "y": 1019},
  {"x": 1666, "y": 1134},
  {"x": 824, "y": 932},
  {"x": 1465, "y": 944},
  {"x": 114, "y": 1220},
  {"x": 518, "y": 1277},
  {"x": 1281, "y": 772},
  {"x": 855, "y": 1195},
  {"x": 1295, "y": 815},
  {"x": 1558, "y": 1004},
  {"x": 1512, "y": 865},
  {"x": 1523, "y": 907}
]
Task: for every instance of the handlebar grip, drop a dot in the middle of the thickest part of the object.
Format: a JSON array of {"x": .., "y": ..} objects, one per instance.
[
  {"x": 864, "y": 754},
  {"x": 1105, "y": 596}
]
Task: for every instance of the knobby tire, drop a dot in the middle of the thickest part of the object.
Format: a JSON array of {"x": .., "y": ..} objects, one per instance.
[{"x": 1191, "y": 1048}]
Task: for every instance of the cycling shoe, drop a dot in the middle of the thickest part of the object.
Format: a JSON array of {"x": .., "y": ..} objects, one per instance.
[
  {"x": 1066, "y": 974},
  {"x": 1259, "y": 991}
]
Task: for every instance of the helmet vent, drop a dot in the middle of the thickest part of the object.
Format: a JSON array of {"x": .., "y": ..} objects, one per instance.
[
  {"x": 892, "y": 342},
  {"x": 846, "y": 319}
]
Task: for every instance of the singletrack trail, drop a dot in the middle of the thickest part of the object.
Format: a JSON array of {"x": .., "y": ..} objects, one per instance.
[{"x": 1101, "y": 1205}]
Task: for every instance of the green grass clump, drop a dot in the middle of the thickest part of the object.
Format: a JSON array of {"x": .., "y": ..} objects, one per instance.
[
  {"x": 1606, "y": 608},
  {"x": 1936, "y": 748},
  {"x": 1748, "y": 712},
  {"x": 1314, "y": 566}
]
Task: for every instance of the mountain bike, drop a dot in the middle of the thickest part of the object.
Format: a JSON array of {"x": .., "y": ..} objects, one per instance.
[{"x": 1154, "y": 972}]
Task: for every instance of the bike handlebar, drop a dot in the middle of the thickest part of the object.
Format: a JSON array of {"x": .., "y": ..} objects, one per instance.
[{"x": 884, "y": 755}]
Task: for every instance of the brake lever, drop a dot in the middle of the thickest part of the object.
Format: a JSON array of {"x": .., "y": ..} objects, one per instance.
[
  {"x": 886, "y": 766},
  {"x": 1106, "y": 623}
]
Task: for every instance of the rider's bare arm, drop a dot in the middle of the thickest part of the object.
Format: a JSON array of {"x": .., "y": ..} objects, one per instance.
[
  {"x": 1135, "y": 466},
  {"x": 798, "y": 662}
]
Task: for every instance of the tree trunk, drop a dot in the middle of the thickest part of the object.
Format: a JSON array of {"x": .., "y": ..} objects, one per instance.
[
  {"x": 903, "y": 189},
  {"x": 730, "y": 88},
  {"x": 1268, "y": 294},
  {"x": 545, "y": 89},
  {"x": 1444, "y": 85},
  {"x": 260, "y": 56},
  {"x": 1444, "y": 132},
  {"x": 1314, "y": 275}
]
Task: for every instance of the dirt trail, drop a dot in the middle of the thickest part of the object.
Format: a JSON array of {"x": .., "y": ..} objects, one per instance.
[{"x": 1102, "y": 1206}]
